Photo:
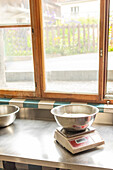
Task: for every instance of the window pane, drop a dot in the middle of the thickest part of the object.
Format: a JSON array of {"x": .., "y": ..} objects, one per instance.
[
  {"x": 16, "y": 63},
  {"x": 14, "y": 12},
  {"x": 110, "y": 53},
  {"x": 71, "y": 42}
]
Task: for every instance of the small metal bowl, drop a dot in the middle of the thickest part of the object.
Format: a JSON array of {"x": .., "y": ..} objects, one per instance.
[
  {"x": 7, "y": 114},
  {"x": 75, "y": 117}
]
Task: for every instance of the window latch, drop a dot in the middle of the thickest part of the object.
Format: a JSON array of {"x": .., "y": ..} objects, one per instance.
[
  {"x": 108, "y": 102},
  {"x": 32, "y": 30},
  {"x": 35, "y": 84},
  {"x": 101, "y": 52}
]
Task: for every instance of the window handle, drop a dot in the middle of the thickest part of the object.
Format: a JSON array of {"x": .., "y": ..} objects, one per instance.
[
  {"x": 32, "y": 30},
  {"x": 108, "y": 102},
  {"x": 101, "y": 52}
]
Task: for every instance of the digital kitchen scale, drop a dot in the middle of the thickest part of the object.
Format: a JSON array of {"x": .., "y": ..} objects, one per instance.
[{"x": 79, "y": 141}]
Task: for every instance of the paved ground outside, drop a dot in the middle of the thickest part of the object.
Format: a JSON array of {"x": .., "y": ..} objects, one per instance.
[
  {"x": 76, "y": 62},
  {"x": 75, "y": 73}
]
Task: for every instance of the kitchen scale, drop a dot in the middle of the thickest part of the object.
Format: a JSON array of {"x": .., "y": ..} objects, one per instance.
[{"x": 79, "y": 141}]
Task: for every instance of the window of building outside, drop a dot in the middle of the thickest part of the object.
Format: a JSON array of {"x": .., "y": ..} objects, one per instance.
[
  {"x": 46, "y": 48},
  {"x": 74, "y": 10}
]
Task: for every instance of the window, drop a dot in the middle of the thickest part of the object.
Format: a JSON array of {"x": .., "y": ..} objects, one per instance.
[
  {"x": 71, "y": 51},
  {"x": 74, "y": 10},
  {"x": 48, "y": 52},
  {"x": 16, "y": 57}
]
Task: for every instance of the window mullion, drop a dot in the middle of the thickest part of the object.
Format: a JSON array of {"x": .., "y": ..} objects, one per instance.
[
  {"x": 102, "y": 49},
  {"x": 106, "y": 45},
  {"x": 35, "y": 24}
]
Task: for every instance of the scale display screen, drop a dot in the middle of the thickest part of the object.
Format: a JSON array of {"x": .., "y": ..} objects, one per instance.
[{"x": 81, "y": 140}]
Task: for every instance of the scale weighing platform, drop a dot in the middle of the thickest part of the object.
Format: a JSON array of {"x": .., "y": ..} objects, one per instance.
[{"x": 79, "y": 141}]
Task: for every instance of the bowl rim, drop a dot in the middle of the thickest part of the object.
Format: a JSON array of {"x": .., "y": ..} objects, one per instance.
[
  {"x": 63, "y": 116},
  {"x": 10, "y": 113}
]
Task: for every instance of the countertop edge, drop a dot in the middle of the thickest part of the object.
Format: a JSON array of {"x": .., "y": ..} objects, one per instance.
[{"x": 49, "y": 163}]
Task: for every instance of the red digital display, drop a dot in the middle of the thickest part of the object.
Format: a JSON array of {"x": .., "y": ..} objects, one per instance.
[{"x": 81, "y": 141}]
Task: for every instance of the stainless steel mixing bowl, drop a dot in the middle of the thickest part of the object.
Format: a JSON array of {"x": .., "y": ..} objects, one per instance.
[
  {"x": 75, "y": 117},
  {"x": 7, "y": 114}
]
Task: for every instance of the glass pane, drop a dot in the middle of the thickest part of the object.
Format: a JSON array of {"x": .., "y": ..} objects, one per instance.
[
  {"x": 110, "y": 53},
  {"x": 16, "y": 61},
  {"x": 14, "y": 12},
  {"x": 71, "y": 43}
]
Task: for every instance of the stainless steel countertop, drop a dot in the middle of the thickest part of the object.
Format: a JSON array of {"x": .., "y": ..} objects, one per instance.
[{"x": 32, "y": 142}]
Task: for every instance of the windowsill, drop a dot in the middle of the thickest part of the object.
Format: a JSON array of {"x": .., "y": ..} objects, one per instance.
[{"x": 105, "y": 115}]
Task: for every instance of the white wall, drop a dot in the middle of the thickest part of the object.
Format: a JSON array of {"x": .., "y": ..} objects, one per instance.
[{"x": 85, "y": 8}]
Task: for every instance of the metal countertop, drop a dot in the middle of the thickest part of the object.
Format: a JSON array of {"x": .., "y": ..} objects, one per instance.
[{"x": 32, "y": 142}]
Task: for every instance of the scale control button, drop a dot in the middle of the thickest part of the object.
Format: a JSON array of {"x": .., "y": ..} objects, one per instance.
[{"x": 96, "y": 137}]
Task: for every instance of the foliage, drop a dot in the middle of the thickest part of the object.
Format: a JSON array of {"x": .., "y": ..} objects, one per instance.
[
  {"x": 17, "y": 42},
  {"x": 110, "y": 48},
  {"x": 88, "y": 20},
  {"x": 66, "y": 40},
  {"x": 63, "y": 39}
]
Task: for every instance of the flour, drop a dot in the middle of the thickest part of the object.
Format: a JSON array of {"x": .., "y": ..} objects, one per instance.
[{"x": 75, "y": 114}]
